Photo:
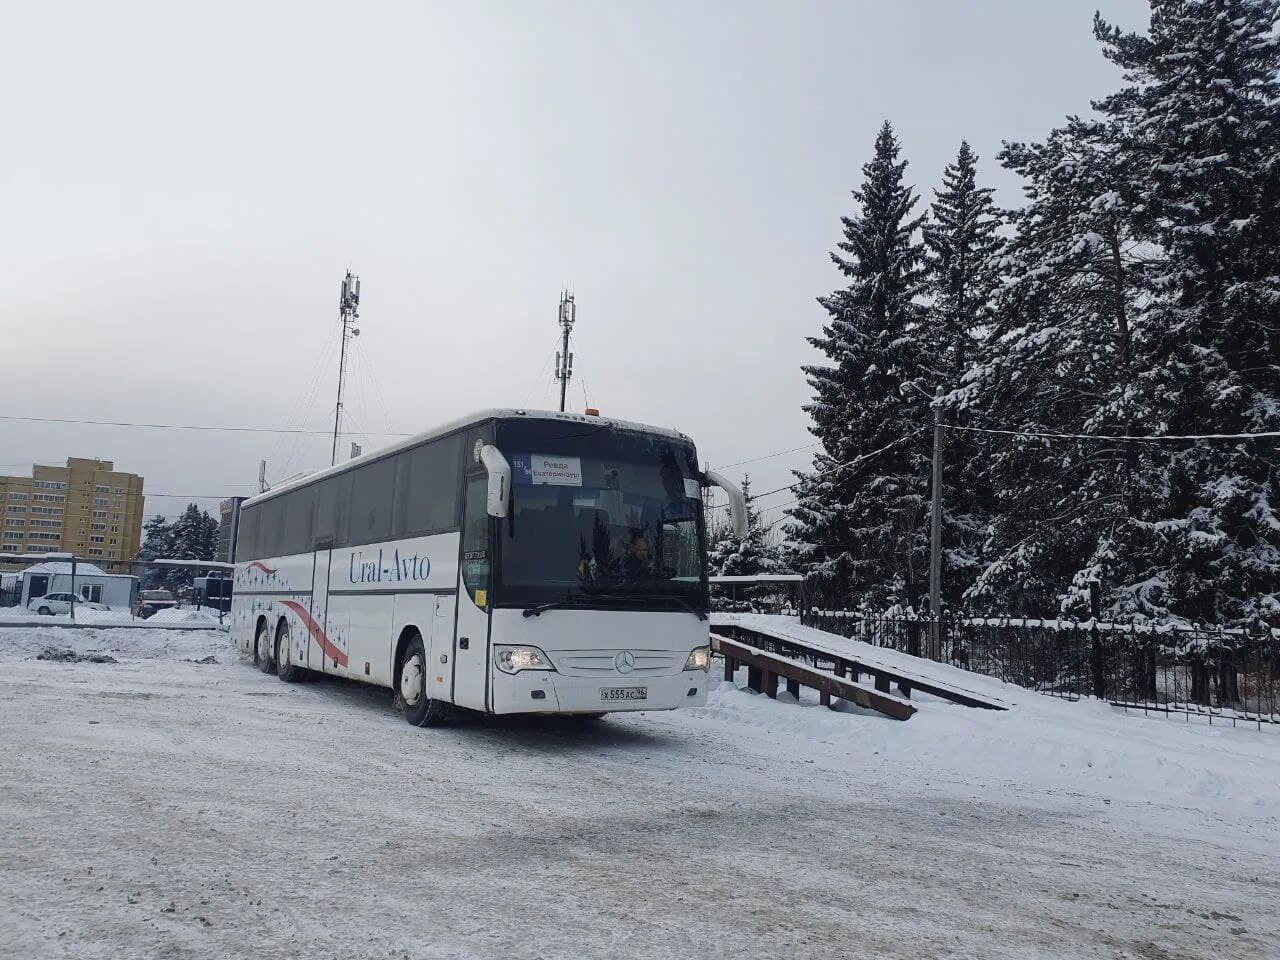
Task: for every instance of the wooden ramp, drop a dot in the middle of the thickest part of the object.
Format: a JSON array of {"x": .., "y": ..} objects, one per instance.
[
  {"x": 850, "y": 659},
  {"x": 764, "y": 669}
]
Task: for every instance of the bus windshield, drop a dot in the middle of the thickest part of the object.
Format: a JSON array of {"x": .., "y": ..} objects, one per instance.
[{"x": 601, "y": 517}]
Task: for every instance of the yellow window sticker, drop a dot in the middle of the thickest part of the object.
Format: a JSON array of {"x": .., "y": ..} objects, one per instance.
[{"x": 482, "y": 598}]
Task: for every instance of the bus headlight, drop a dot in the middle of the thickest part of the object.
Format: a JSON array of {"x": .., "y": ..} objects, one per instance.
[
  {"x": 699, "y": 659},
  {"x": 515, "y": 659}
]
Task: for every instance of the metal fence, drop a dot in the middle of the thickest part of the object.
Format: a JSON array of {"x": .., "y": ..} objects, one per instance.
[
  {"x": 1220, "y": 675},
  {"x": 140, "y": 588}
]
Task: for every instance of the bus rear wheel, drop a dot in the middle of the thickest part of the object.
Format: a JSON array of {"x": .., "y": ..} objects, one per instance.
[
  {"x": 262, "y": 648},
  {"x": 286, "y": 670},
  {"x": 418, "y": 708}
]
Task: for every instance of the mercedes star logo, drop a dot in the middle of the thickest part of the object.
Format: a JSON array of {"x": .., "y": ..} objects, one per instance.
[{"x": 625, "y": 661}]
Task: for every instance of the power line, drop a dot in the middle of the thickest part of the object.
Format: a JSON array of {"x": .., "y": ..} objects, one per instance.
[
  {"x": 184, "y": 426},
  {"x": 190, "y": 496},
  {"x": 770, "y": 456},
  {"x": 856, "y": 461},
  {"x": 1149, "y": 438}
]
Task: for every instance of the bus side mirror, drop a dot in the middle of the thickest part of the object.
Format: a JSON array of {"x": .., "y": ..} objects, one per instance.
[
  {"x": 737, "y": 502},
  {"x": 499, "y": 479}
]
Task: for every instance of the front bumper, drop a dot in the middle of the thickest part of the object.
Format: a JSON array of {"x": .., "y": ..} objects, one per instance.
[{"x": 545, "y": 691}]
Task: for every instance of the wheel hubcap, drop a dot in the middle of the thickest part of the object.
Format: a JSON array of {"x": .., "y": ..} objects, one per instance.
[{"x": 411, "y": 680}]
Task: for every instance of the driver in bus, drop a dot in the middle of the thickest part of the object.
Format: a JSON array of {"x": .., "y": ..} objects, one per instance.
[{"x": 637, "y": 561}]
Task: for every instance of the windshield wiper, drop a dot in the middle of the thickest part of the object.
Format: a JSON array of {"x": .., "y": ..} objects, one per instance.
[
  {"x": 568, "y": 600},
  {"x": 581, "y": 599},
  {"x": 687, "y": 604},
  {"x": 638, "y": 596}
]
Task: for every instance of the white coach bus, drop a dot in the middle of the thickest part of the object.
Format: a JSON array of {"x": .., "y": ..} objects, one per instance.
[{"x": 510, "y": 562}]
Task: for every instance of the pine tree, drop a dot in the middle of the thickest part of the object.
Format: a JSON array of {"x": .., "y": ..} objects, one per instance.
[
  {"x": 963, "y": 250},
  {"x": 1142, "y": 297},
  {"x": 862, "y": 530},
  {"x": 1059, "y": 359},
  {"x": 1201, "y": 117}
]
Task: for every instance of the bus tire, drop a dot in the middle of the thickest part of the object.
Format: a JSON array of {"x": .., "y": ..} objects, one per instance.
[
  {"x": 286, "y": 669},
  {"x": 262, "y": 648},
  {"x": 419, "y": 709}
]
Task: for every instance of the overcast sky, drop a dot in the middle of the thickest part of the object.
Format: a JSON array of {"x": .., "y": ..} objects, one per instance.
[{"x": 182, "y": 187}]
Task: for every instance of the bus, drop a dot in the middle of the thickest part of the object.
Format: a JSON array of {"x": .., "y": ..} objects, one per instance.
[{"x": 513, "y": 561}]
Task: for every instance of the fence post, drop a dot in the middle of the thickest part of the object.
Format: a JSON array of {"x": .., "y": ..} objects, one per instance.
[{"x": 1095, "y": 637}]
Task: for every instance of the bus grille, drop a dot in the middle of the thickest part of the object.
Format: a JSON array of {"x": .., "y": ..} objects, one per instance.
[{"x": 599, "y": 663}]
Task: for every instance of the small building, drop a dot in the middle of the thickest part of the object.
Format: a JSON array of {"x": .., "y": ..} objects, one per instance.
[{"x": 91, "y": 583}]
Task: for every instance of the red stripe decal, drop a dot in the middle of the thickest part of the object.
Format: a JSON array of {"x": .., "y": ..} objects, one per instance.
[
  {"x": 261, "y": 566},
  {"x": 330, "y": 650}
]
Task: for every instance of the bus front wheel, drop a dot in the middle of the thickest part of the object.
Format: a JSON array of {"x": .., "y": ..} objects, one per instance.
[{"x": 419, "y": 709}]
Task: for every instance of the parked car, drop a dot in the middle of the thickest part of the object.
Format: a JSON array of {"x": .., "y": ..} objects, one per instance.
[
  {"x": 52, "y": 603},
  {"x": 149, "y": 601}
]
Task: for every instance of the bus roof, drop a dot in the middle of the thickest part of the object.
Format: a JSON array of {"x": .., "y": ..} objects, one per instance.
[{"x": 462, "y": 423}]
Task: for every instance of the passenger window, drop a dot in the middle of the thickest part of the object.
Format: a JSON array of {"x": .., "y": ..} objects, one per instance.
[
  {"x": 297, "y": 509},
  {"x": 371, "y": 495},
  {"x": 475, "y": 542},
  {"x": 331, "y": 507},
  {"x": 427, "y": 485},
  {"x": 246, "y": 535}
]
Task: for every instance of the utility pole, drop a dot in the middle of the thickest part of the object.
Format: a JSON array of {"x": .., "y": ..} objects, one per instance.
[
  {"x": 348, "y": 304},
  {"x": 564, "y": 359},
  {"x": 935, "y": 536}
]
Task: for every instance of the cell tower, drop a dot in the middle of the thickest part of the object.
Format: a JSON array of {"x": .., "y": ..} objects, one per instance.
[
  {"x": 348, "y": 310},
  {"x": 564, "y": 359}
]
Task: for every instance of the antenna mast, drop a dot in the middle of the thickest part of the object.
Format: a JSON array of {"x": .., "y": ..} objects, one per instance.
[
  {"x": 348, "y": 304},
  {"x": 564, "y": 359}
]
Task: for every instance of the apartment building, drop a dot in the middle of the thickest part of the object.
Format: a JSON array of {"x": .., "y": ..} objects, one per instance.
[{"x": 87, "y": 508}]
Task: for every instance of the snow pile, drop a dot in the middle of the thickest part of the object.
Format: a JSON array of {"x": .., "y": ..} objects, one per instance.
[
  {"x": 197, "y": 615},
  {"x": 24, "y": 643},
  {"x": 170, "y": 618},
  {"x": 83, "y": 615},
  {"x": 1084, "y": 747}
]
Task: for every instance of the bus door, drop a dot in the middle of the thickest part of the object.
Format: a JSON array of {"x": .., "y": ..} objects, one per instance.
[
  {"x": 440, "y": 678},
  {"x": 322, "y": 560},
  {"x": 471, "y": 640}
]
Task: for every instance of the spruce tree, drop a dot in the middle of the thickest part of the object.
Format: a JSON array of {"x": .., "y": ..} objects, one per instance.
[
  {"x": 963, "y": 248},
  {"x": 748, "y": 556},
  {"x": 192, "y": 536},
  {"x": 157, "y": 543},
  {"x": 861, "y": 517}
]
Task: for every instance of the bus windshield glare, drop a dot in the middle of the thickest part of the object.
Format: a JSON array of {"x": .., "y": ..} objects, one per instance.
[{"x": 600, "y": 517}]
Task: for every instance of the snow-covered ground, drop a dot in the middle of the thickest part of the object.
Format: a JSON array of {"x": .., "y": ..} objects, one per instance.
[
  {"x": 164, "y": 807},
  {"x": 181, "y": 617}
]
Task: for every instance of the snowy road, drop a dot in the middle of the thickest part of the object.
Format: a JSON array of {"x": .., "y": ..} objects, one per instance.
[{"x": 158, "y": 807}]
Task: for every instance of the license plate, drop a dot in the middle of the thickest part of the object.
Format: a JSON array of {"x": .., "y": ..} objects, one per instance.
[{"x": 624, "y": 693}]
